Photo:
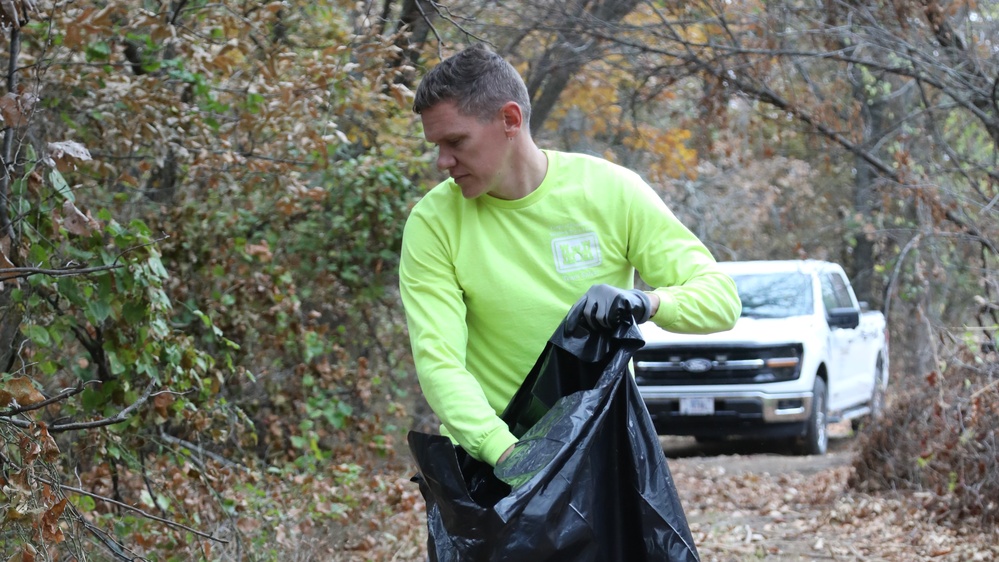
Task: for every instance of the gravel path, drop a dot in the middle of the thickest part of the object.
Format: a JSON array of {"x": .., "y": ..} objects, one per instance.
[{"x": 746, "y": 503}]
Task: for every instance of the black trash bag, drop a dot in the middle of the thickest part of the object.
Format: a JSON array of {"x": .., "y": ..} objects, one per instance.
[{"x": 587, "y": 480}]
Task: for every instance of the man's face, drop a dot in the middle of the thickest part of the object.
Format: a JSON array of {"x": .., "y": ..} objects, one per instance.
[{"x": 474, "y": 152}]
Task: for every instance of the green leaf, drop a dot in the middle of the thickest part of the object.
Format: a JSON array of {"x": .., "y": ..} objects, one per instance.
[
  {"x": 99, "y": 310},
  {"x": 134, "y": 312},
  {"x": 156, "y": 266},
  {"x": 69, "y": 290},
  {"x": 39, "y": 253},
  {"x": 116, "y": 365},
  {"x": 204, "y": 318},
  {"x": 38, "y": 335},
  {"x": 60, "y": 185},
  {"x": 92, "y": 399},
  {"x": 98, "y": 50},
  {"x": 84, "y": 503},
  {"x": 163, "y": 502}
]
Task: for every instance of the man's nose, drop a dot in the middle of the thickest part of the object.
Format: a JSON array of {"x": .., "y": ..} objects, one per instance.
[{"x": 444, "y": 159}]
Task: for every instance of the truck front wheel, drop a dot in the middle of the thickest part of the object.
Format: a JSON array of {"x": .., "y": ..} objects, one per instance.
[{"x": 815, "y": 441}]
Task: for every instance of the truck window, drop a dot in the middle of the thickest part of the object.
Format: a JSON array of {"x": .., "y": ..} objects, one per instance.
[
  {"x": 834, "y": 292},
  {"x": 774, "y": 295}
]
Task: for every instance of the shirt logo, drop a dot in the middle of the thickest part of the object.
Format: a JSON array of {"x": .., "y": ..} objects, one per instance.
[{"x": 573, "y": 253}]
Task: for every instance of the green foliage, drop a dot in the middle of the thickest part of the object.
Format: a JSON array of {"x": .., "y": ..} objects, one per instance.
[
  {"x": 213, "y": 280},
  {"x": 112, "y": 324}
]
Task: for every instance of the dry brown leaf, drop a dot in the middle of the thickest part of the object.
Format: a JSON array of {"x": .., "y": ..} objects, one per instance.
[
  {"x": 161, "y": 403},
  {"x": 160, "y": 32},
  {"x": 64, "y": 155},
  {"x": 10, "y": 109},
  {"x": 14, "y": 13},
  {"x": 48, "y": 524},
  {"x": 19, "y": 390},
  {"x": 26, "y": 99},
  {"x": 69, "y": 148},
  {"x": 27, "y": 554},
  {"x": 30, "y": 450},
  {"x": 76, "y": 30},
  {"x": 75, "y": 222},
  {"x": 18, "y": 494},
  {"x": 262, "y": 250},
  {"x": 104, "y": 18},
  {"x": 5, "y": 262},
  {"x": 50, "y": 450}
]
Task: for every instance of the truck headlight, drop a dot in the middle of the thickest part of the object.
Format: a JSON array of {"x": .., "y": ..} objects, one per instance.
[{"x": 782, "y": 364}]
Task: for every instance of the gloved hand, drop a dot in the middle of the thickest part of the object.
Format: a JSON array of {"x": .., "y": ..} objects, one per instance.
[{"x": 607, "y": 307}]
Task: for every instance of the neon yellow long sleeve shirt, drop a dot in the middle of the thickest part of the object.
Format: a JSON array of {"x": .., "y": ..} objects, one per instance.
[{"x": 486, "y": 281}]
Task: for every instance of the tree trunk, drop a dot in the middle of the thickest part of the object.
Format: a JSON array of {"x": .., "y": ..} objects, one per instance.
[
  {"x": 11, "y": 312},
  {"x": 10, "y": 328},
  {"x": 864, "y": 188},
  {"x": 573, "y": 49},
  {"x": 416, "y": 17}
]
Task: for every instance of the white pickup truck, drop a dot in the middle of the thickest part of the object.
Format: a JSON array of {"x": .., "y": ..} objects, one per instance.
[{"x": 803, "y": 354}]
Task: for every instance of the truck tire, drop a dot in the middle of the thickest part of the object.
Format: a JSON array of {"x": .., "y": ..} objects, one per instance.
[
  {"x": 815, "y": 441},
  {"x": 877, "y": 396}
]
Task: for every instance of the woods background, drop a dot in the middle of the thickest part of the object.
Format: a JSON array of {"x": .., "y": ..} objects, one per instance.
[{"x": 203, "y": 354}]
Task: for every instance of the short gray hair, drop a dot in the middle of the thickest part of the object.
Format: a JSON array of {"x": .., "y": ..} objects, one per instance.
[{"x": 477, "y": 80}]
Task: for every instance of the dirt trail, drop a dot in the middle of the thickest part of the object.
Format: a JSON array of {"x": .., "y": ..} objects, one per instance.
[
  {"x": 746, "y": 503},
  {"x": 740, "y": 457}
]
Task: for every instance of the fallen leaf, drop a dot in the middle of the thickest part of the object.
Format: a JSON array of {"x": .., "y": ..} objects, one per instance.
[
  {"x": 19, "y": 390},
  {"x": 262, "y": 250}
]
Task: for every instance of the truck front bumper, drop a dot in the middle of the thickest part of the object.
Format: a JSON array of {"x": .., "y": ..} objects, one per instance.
[{"x": 735, "y": 413}]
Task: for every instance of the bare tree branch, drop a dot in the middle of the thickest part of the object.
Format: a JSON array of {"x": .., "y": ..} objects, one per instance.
[
  {"x": 141, "y": 512},
  {"x": 117, "y": 418},
  {"x": 22, "y": 272},
  {"x": 202, "y": 451},
  {"x": 57, "y": 398},
  {"x": 16, "y": 272},
  {"x": 7, "y": 150}
]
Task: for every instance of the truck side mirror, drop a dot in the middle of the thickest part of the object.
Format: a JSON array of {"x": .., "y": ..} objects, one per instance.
[{"x": 843, "y": 317}]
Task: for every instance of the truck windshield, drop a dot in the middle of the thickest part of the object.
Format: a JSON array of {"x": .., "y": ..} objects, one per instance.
[{"x": 774, "y": 295}]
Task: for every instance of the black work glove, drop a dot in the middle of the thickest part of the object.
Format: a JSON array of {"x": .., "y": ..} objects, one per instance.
[{"x": 604, "y": 307}]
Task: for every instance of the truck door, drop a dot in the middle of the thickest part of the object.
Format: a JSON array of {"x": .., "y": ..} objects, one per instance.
[
  {"x": 844, "y": 369},
  {"x": 870, "y": 342}
]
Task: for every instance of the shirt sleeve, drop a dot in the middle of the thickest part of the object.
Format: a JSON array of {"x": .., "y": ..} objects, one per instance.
[
  {"x": 435, "y": 315},
  {"x": 696, "y": 297}
]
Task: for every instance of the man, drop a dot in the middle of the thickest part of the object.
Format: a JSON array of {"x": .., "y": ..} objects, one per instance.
[{"x": 494, "y": 257}]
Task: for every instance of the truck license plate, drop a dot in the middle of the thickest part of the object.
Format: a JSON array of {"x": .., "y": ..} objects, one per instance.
[{"x": 697, "y": 406}]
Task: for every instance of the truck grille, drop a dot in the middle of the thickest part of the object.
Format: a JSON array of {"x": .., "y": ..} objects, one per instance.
[{"x": 698, "y": 365}]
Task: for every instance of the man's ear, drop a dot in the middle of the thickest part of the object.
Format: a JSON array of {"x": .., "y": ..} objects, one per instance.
[{"x": 513, "y": 118}]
